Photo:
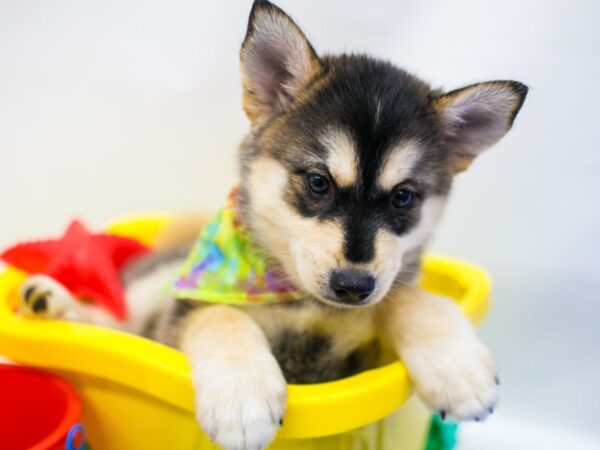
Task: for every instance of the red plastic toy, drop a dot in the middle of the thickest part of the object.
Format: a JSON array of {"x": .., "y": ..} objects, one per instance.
[
  {"x": 87, "y": 264},
  {"x": 38, "y": 409}
]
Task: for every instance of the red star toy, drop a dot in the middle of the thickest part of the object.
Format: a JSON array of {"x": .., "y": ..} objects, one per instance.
[{"x": 86, "y": 264}]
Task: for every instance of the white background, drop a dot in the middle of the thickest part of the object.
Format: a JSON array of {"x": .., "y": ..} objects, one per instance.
[{"x": 115, "y": 107}]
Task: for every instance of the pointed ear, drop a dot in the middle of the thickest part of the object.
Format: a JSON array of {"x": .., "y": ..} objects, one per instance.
[
  {"x": 277, "y": 61},
  {"x": 477, "y": 116}
]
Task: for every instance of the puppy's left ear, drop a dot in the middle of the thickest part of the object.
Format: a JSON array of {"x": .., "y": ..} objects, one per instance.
[
  {"x": 477, "y": 116},
  {"x": 277, "y": 61}
]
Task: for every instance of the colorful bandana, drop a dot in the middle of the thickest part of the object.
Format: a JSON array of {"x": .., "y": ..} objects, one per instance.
[{"x": 226, "y": 267}]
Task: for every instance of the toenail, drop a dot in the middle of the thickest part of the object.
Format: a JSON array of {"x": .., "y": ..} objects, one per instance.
[{"x": 27, "y": 293}]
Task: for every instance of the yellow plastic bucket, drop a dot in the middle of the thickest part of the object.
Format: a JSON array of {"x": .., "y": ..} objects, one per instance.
[{"x": 137, "y": 394}]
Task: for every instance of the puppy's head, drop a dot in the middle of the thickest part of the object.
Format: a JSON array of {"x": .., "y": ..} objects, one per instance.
[{"x": 350, "y": 159}]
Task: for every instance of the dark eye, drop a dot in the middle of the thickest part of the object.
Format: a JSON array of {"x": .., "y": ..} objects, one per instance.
[
  {"x": 318, "y": 184},
  {"x": 401, "y": 198}
]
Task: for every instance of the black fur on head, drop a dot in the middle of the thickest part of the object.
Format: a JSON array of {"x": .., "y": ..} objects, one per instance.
[{"x": 294, "y": 98}]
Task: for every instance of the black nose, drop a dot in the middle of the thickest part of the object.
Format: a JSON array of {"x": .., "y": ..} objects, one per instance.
[{"x": 350, "y": 285}]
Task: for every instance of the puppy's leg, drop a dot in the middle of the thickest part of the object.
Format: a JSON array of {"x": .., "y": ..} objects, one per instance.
[
  {"x": 240, "y": 390},
  {"x": 144, "y": 282},
  {"x": 44, "y": 297},
  {"x": 452, "y": 371}
]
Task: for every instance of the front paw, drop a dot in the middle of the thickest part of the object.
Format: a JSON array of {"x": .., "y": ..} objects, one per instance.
[
  {"x": 457, "y": 378},
  {"x": 240, "y": 406}
]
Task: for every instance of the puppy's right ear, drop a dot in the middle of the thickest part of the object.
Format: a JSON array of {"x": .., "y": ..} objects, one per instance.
[{"x": 277, "y": 61}]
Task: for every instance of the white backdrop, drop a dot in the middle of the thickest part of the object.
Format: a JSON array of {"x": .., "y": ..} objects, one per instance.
[{"x": 115, "y": 107}]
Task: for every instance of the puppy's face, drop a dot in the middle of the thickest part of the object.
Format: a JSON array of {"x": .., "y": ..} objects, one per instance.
[{"x": 350, "y": 159}]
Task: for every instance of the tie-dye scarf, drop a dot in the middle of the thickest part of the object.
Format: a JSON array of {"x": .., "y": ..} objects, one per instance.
[{"x": 226, "y": 267}]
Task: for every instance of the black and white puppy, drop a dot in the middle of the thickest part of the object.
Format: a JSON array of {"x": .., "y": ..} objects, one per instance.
[{"x": 344, "y": 175}]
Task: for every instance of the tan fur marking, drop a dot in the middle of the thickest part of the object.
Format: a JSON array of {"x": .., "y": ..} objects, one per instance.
[
  {"x": 390, "y": 249},
  {"x": 221, "y": 330},
  {"x": 398, "y": 164},
  {"x": 307, "y": 248},
  {"x": 451, "y": 369},
  {"x": 240, "y": 392},
  {"x": 387, "y": 261},
  {"x": 341, "y": 159},
  {"x": 182, "y": 230}
]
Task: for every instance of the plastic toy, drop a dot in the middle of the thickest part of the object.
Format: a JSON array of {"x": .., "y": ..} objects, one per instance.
[
  {"x": 86, "y": 264},
  {"x": 142, "y": 391},
  {"x": 39, "y": 411},
  {"x": 76, "y": 438},
  {"x": 442, "y": 435}
]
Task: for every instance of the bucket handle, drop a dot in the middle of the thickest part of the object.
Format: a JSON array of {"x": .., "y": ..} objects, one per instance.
[{"x": 75, "y": 438}]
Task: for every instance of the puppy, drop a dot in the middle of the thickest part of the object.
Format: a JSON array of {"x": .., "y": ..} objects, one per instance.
[{"x": 344, "y": 175}]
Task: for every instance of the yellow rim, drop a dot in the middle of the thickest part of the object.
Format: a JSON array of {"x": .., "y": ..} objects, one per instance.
[{"x": 163, "y": 373}]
